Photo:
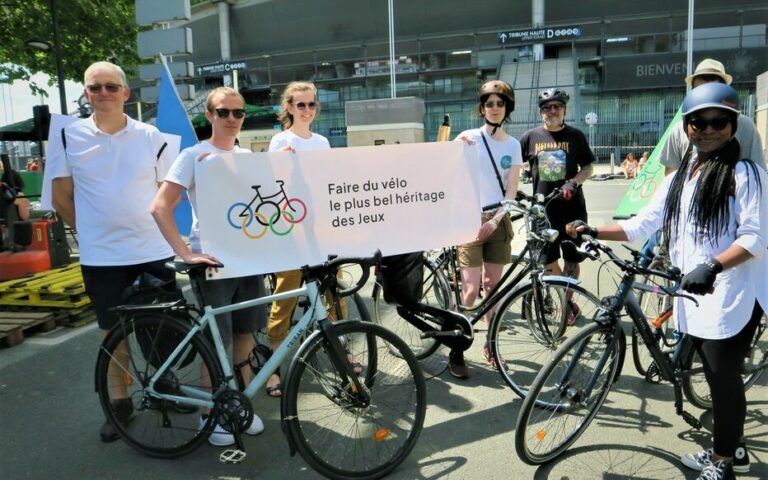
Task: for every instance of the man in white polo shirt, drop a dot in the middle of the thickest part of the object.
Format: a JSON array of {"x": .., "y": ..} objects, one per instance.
[{"x": 103, "y": 185}]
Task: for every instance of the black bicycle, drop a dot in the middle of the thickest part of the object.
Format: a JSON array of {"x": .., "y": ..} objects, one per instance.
[
  {"x": 569, "y": 391},
  {"x": 534, "y": 313}
]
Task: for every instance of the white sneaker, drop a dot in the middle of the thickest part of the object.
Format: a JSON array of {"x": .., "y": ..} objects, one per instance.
[{"x": 222, "y": 438}]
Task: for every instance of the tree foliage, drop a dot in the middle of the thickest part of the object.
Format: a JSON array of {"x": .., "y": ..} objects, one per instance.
[{"x": 89, "y": 30}]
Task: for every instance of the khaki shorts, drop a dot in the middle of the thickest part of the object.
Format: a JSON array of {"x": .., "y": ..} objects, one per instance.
[{"x": 494, "y": 249}]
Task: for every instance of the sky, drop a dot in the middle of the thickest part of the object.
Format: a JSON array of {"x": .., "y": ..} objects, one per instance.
[{"x": 16, "y": 99}]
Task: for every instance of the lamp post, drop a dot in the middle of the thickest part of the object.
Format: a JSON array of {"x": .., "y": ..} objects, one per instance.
[{"x": 45, "y": 47}]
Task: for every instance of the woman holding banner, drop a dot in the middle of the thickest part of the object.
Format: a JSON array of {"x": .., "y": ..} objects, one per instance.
[
  {"x": 298, "y": 108},
  {"x": 499, "y": 161}
]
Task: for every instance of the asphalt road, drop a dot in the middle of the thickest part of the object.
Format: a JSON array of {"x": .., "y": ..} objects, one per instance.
[{"x": 50, "y": 416}]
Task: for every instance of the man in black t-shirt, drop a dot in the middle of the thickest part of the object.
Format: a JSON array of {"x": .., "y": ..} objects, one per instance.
[{"x": 559, "y": 157}]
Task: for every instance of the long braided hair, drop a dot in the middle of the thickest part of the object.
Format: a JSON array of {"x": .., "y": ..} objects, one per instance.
[{"x": 710, "y": 207}]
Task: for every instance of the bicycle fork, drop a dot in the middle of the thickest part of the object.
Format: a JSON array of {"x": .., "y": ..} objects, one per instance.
[{"x": 358, "y": 393}]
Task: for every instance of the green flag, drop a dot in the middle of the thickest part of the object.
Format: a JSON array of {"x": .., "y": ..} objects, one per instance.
[{"x": 649, "y": 178}]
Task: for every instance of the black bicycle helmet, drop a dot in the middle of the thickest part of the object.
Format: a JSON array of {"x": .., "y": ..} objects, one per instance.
[
  {"x": 712, "y": 95},
  {"x": 553, "y": 94}
]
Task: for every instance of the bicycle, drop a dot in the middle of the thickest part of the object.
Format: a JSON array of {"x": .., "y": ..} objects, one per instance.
[
  {"x": 346, "y": 419},
  {"x": 571, "y": 388},
  {"x": 532, "y": 316},
  {"x": 657, "y": 308}
]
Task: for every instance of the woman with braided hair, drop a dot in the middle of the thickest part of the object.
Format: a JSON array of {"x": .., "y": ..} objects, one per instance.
[{"x": 714, "y": 211}]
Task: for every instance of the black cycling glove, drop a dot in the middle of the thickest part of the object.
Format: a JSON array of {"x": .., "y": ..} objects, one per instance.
[
  {"x": 591, "y": 231},
  {"x": 701, "y": 279},
  {"x": 569, "y": 191}
]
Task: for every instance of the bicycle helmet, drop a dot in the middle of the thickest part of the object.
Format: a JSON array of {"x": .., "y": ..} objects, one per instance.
[
  {"x": 553, "y": 94},
  {"x": 505, "y": 91},
  {"x": 500, "y": 88},
  {"x": 712, "y": 95}
]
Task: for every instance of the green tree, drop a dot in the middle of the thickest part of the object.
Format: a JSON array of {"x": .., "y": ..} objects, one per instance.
[{"x": 89, "y": 30}]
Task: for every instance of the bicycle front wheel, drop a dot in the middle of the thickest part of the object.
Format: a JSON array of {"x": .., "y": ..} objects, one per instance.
[
  {"x": 346, "y": 434},
  {"x": 435, "y": 293},
  {"x": 531, "y": 324},
  {"x": 128, "y": 360},
  {"x": 567, "y": 394}
]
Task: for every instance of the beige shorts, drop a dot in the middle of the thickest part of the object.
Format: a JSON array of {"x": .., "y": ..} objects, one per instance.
[{"x": 494, "y": 249}]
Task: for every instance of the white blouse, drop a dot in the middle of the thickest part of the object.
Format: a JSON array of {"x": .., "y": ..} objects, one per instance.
[{"x": 725, "y": 312}]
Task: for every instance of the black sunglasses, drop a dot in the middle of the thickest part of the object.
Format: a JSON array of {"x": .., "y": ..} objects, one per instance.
[
  {"x": 224, "y": 112},
  {"x": 302, "y": 105},
  {"x": 552, "y": 107},
  {"x": 701, "y": 124},
  {"x": 491, "y": 104},
  {"x": 110, "y": 87}
]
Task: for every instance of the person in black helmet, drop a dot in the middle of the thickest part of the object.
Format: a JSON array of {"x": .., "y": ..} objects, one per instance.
[
  {"x": 498, "y": 162},
  {"x": 714, "y": 211},
  {"x": 559, "y": 157}
]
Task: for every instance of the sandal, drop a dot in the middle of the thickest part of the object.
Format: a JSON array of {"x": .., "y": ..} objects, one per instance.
[
  {"x": 488, "y": 356},
  {"x": 357, "y": 367},
  {"x": 573, "y": 312},
  {"x": 275, "y": 391}
]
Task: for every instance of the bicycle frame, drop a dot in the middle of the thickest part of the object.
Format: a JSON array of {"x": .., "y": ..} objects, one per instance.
[
  {"x": 670, "y": 369},
  {"x": 315, "y": 313}
]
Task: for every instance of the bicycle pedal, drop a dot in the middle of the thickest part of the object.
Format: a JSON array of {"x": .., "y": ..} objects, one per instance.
[
  {"x": 691, "y": 420},
  {"x": 233, "y": 455}
]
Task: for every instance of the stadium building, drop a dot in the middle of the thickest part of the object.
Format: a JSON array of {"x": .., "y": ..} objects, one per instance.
[{"x": 623, "y": 61}]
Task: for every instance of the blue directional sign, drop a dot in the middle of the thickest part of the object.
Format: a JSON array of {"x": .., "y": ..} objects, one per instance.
[{"x": 539, "y": 35}]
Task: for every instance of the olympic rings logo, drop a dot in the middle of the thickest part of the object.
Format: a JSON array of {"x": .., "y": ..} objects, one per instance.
[{"x": 276, "y": 213}]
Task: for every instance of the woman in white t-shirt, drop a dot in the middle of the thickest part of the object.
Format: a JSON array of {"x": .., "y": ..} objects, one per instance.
[
  {"x": 499, "y": 161},
  {"x": 298, "y": 108}
]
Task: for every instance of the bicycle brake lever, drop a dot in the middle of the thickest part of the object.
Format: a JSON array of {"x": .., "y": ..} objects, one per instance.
[{"x": 688, "y": 297}]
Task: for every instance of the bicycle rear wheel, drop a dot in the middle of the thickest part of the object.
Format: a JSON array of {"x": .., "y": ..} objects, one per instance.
[
  {"x": 531, "y": 324},
  {"x": 695, "y": 386},
  {"x": 341, "y": 433},
  {"x": 567, "y": 394},
  {"x": 435, "y": 293},
  {"x": 129, "y": 357}
]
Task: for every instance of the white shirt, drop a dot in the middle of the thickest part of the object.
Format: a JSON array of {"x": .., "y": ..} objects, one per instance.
[
  {"x": 725, "y": 312},
  {"x": 506, "y": 153},
  {"x": 287, "y": 137},
  {"x": 182, "y": 173},
  {"x": 115, "y": 179}
]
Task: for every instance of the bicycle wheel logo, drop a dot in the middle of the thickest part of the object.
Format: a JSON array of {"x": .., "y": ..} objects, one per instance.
[{"x": 275, "y": 212}]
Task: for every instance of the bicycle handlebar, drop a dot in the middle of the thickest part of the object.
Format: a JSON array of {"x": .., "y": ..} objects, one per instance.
[
  {"x": 331, "y": 267},
  {"x": 592, "y": 247},
  {"x": 516, "y": 205}
]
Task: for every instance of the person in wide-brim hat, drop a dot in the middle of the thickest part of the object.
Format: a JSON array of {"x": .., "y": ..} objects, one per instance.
[{"x": 709, "y": 66}]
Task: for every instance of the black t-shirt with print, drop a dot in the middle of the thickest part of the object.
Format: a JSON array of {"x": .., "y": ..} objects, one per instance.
[{"x": 555, "y": 157}]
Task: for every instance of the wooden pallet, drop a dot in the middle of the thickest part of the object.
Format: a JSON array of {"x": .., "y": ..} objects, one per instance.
[
  {"x": 14, "y": 326},
  {"x": 57, "y": 288}
]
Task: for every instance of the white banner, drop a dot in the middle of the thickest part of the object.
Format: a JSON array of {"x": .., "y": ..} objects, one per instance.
[{"x": 267, "y": 212}]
